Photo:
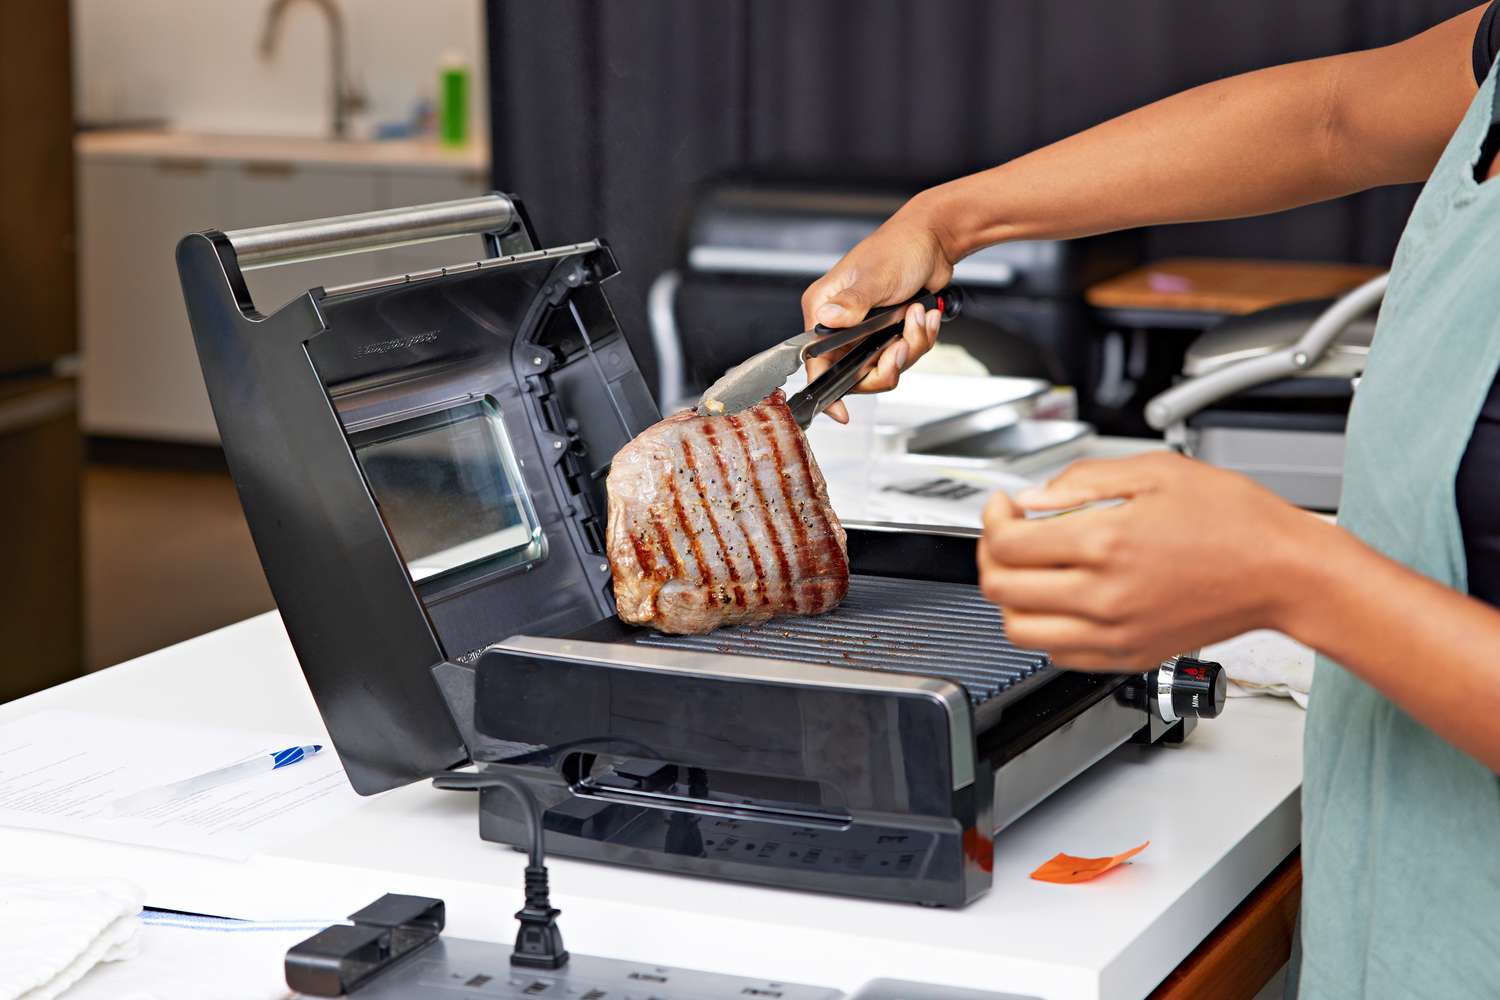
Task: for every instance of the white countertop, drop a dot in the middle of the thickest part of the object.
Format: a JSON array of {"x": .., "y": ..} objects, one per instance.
[
  {"x": 164, "y": 144},
  {"x": 1221, "y": 812}
]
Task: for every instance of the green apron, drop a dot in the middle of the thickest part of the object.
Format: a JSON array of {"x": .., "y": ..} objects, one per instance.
[{"x": 1400, "y": 831}]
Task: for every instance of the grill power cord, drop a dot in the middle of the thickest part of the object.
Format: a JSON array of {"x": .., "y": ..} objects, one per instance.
[{"x": 539, "y": 943}]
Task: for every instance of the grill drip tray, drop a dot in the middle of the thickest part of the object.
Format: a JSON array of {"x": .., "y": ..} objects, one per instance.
[{"x": 943, "y": 630}]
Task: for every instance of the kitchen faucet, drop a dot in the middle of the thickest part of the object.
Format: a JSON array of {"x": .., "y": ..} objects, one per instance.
[{"x": 345, "y": 97}]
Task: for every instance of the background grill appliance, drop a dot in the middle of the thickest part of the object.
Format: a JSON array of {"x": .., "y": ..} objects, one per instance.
[
  {"x": 1268, "y": 394},
  {"x": 750, "y": 247}
]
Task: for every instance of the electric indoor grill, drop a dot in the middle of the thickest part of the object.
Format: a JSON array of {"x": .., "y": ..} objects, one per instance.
[{"x": 420, "y": 458}]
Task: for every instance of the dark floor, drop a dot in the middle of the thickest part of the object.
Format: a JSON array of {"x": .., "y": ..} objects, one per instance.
[{"x": 167, "y": 556}]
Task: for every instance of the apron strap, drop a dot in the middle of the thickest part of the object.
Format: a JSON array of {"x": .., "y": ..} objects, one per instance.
[{"x": 1491, "y": 144}]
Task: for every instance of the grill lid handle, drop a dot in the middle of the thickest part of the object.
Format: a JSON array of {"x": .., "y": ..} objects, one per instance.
[{"x": 314, "y": 239}]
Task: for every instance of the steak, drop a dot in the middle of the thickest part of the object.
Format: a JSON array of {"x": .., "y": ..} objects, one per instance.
[{"x": 722, "y": 521}]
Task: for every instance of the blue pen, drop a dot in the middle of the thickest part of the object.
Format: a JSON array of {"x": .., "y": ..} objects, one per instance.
[{"x": 178, "y": 790}]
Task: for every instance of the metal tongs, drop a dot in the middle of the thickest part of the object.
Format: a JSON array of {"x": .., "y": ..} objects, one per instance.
[{"x": 755, "y": 378}]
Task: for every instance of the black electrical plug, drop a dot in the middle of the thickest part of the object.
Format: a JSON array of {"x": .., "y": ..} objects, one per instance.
[{"x": 539, "y": 943}]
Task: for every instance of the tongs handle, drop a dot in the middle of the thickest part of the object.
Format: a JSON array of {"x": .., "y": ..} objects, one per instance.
[{"x": 874, "y": 337}]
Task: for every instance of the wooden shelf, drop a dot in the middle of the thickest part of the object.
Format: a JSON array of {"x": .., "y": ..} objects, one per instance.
[
  {"x": 1242, "y": 954},
  {"x": 1226, "y": 287}
]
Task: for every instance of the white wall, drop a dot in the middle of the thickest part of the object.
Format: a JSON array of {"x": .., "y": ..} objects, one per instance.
[{"x": 197, "y": 62}]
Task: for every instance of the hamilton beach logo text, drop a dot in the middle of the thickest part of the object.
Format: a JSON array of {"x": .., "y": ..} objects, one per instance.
[{"x": 396, "y": 344}]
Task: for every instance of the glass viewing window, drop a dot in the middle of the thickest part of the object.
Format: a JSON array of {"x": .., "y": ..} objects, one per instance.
[{"x": 450, "y": 490}]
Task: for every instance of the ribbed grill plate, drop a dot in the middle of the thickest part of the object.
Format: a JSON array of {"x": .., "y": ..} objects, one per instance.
[{"x": 908, "y": 626}]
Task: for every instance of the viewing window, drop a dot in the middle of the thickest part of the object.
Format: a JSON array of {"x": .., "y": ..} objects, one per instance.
[{"x": 450, "y": 490}]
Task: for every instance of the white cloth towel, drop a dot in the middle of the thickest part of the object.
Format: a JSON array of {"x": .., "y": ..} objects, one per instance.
[
  {"x": 201, "y": 958},
  {"x": 55, "y": 930},
  {"x": 1265, "y": 662}
]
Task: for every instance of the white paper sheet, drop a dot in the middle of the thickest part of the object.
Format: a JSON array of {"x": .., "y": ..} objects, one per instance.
[{"x": 60, "y": 770}]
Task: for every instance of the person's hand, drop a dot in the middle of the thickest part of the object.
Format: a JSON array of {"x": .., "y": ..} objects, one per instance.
[
  {"x": 894, "y": 263},
  {"x": 1194, "y": 555}
]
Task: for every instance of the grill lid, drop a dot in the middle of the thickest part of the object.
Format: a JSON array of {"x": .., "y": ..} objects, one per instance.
[{"x": 419, "y": 457}]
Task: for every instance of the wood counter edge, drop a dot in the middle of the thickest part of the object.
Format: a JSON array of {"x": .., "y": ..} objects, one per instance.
[
  {"x": 1229, "y": 286},
  {"x": 1247, "y": 948}
]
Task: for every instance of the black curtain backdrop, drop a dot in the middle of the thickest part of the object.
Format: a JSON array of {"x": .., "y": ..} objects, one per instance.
[{"x": 605, "y": 114}]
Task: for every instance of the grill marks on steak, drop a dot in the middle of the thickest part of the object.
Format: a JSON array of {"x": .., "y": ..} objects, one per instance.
[
  {"x": 754, "y": 552},
  {"x": 757, "y": 577},
  {"x": 722, "y": 520},
  {"x": 805, "y": 509},
  {"x": 726, "y": 553}
]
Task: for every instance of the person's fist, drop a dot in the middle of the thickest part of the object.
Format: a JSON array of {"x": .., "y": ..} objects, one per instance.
[
  {"x": 1192, "y": 555},
  {"x": 896, "y": 262}
]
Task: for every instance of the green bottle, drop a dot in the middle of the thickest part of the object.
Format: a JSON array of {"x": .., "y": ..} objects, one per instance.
[{"x": 453, "y": 101}]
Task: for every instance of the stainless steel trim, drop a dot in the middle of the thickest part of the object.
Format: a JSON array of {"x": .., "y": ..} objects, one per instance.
[
  {"x": 557, "y": 251},
  {"x": 290, "y": 242},
  {"x": 947, "y": 530},
  {"x": 769, "y": 671},
  {"x": 477, "y": 265},
  {"x": 750, "y": 261},
  {"x": 368, "y": 285},
  {"x": 797, "y": 263},
  {"x": 1166, "y": 674},
  {"x": 1060, "y": 756},
  {"x": 687, "y": 803},
  {"x": 661, "y": 317}
]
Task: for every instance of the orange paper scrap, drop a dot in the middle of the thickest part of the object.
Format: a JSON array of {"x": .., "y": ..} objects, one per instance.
[{"x": 1065, "y": 869}]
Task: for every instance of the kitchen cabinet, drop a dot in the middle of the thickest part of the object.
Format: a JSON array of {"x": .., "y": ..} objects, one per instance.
[
  {"x": 41, "y": 461},
  {"x": 140, "y": 376},
  {"x": 40, "y": 457}
]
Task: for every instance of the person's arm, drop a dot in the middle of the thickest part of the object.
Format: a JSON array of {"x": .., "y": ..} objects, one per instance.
[
  {"x": 1197, "y": 554},
  {"x": 1250, "y": 144},
  {"x": 1265, "y": 141}
]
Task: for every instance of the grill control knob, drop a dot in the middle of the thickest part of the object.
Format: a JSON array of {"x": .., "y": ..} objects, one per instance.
[{"x": 1187, "y": 687}]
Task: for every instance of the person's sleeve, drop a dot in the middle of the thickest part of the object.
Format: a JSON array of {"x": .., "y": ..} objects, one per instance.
[{"x": 1486, "y": 42}]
